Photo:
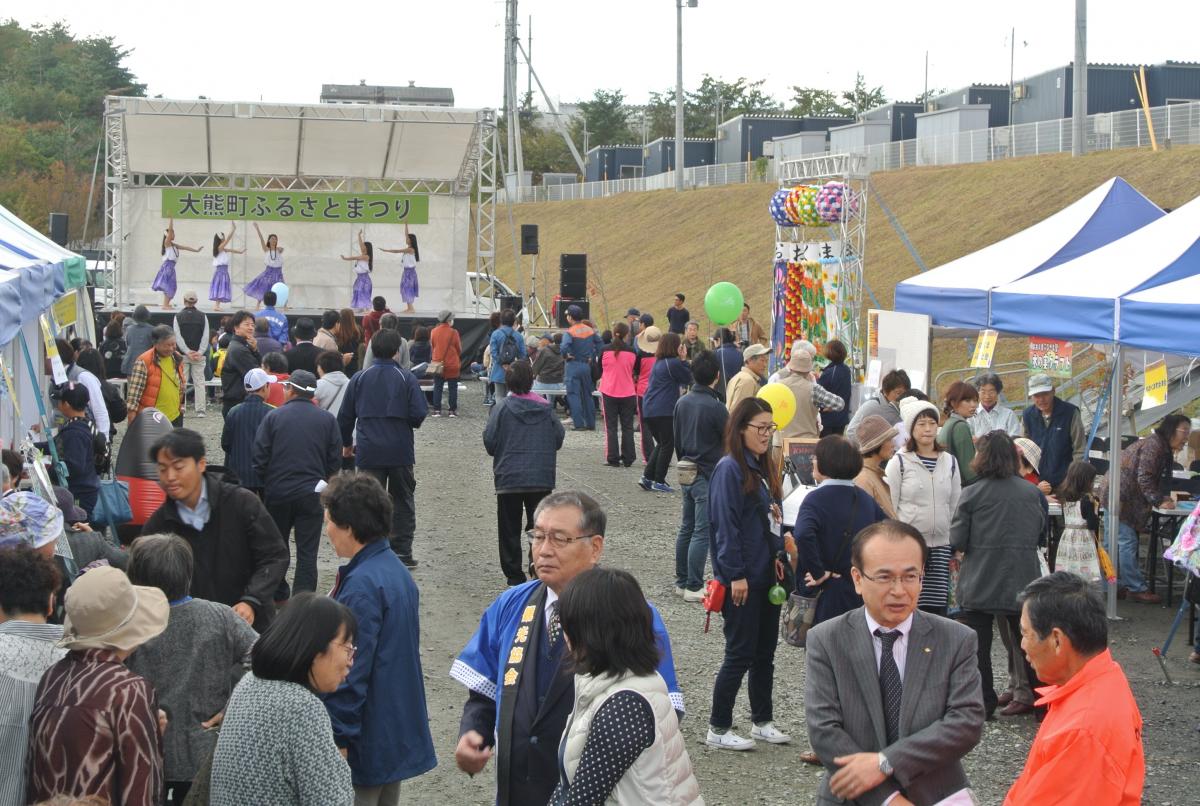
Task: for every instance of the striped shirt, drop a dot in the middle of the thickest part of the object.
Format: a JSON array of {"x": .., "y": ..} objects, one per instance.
[{"x": 27, "y": 650}]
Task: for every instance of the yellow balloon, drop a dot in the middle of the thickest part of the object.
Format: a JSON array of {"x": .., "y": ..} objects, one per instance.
[{"x": 782, "y": 402}]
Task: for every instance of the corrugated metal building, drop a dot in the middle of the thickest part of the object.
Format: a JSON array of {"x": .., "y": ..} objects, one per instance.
[
  {"x": 613, "y": 162},
  {"x": 659, "y": 155},
  {"x": 800, "y": 144},
  {"x": 996, "y": 95},
  {"x": 364, "y": 93},
  {"x": 856, "y": 137},
  {"x": 953, "y": 135},
  {"x": 903, "y": 116},
  {"x": 744, "y": 135},
  {"x": 1047, "y": 96}
]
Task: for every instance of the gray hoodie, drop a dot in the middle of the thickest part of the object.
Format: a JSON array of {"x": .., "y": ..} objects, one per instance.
[
  {"x": 523, "y": 437},
  {"x": 330, "y": 389}
]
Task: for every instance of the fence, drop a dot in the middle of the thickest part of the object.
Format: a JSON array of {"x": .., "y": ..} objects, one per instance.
[{"x": 1176, "y": 124}]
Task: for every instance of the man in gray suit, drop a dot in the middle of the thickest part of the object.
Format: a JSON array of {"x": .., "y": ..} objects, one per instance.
[{"x": 893, "y": 698}]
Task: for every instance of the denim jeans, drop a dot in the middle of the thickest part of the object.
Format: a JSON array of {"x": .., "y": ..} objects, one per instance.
[
  {"x": 691, "y": 546},
  {"x": 579, "y": 394},
  {"x": 452, "y": 389},
  {"x": 1129, "y": 574},
  {"x": 401, "y": 485},
  {"x": 305, "y": 515},
  {"x": 751, "y": 633}
]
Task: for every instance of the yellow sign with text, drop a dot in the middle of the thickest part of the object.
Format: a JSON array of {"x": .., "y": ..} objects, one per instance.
[
  {"x": 65, "y": 309},
  {"x": 985, "y": 346},
  {"x": 1154, "y": 392}
]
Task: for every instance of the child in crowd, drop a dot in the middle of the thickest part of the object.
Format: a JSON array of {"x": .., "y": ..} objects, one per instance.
[{"x": 1078, "y": 549}]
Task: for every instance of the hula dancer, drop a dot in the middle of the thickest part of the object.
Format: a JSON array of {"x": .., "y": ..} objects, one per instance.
[
  {"x": 272, "y": 274},
  {"x": 364, "y": 264},
  {"x": 409, "y": 288},
  {"x": 164, "y": 281},
  {"x": 220, "y": 290}
]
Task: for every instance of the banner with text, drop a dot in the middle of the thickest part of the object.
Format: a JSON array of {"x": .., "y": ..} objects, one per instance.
[
  {"x": 985, "y": 348},
  {"x": 314, "y": 206},
  {"x": 1154, "y": 389},
  {"x": 1051, "y": 356}
]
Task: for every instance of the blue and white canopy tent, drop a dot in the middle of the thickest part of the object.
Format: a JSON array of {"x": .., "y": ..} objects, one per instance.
[
  {"x": 35, "y": 273},
  {"x": 1163, "y": 318},
  {"x": 957, "y": 294}
]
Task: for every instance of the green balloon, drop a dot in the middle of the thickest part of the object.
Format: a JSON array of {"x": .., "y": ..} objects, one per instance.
[
  {"x": 777, "y": 595},
  {"x": 723, "y": 303}
]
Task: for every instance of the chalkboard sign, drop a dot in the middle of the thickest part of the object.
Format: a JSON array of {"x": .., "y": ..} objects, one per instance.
[{"x": 800, "y": 450}]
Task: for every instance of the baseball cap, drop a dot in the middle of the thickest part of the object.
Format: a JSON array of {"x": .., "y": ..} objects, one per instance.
[
  {"x": 303, "y": 382},
  {"x": 754, "y": 351},
  {"x": 256, "y": 379},
  {"x": 190, "y": 296},
  {"x": 575, "y": 312},
  {"x": 633, "y": 312},
  {"x": 1040, "y": 383}
]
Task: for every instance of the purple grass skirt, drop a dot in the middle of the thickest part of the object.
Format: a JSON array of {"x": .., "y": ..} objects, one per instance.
[
  {"x": 263, "y": 282},
  {"x": 220, "y": 289},
  {"x": 409, "y": 289},
  {"x": 164, "y": 281},
  {"x": 361, "y": 298}
]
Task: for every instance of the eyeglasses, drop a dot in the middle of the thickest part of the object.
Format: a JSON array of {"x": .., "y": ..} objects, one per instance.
[
  {"x": 764, "y": 430},
  {"x": 351, "y": 649},
  {"x": 557, "y": 540},
  {"x": 890, "y": 580}
]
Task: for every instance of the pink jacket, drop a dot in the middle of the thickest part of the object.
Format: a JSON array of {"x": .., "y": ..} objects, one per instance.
[
  {"x": 617, "y": 378},
  {"x": 644, "y": 368}
]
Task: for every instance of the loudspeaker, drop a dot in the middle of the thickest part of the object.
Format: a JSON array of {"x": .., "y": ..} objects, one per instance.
[
  {"x": 572, "y": 282},
  {"x": 529, "y": 239},
  {"x": 563, "y": 304},
  {"x": 58, "y": 228}
]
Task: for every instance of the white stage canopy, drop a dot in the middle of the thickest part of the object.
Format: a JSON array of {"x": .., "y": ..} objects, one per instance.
[{"x": 955, "y": 294}]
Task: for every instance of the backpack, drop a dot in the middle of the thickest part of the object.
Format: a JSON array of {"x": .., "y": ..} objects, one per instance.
[
  {"x": 117, "y": 410},
  {"x": 508, "y": 350},
  {"x": 101, "y": 449}
]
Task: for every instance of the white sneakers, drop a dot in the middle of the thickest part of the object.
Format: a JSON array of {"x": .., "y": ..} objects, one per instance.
[
  {"x": 728, "y": 741},
  {"x": 693, "y": 596},
  {"x": 770, "y": 734},
  {"x": 762, "y": 733}
]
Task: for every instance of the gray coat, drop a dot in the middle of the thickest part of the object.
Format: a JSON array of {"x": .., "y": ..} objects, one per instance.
[
  {"x": 139, "y": 340},
  {"x": 941, "y": 708},
  {"x": 997, "y": 527},
  {"x": 873, "y": 405},
  {"x": 523, "y": 437}
]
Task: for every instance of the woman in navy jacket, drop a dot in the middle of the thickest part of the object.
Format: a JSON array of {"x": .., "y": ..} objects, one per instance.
[
  {"x": 379, "y": 715},
  {"x": 836, "y": 378},
  {"x": 829, "y": 518},
  {"x": 669, "y": 374},
  {"x": 743, "y": 500}
]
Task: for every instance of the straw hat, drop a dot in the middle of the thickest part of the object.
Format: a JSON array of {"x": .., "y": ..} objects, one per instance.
[
  {"x": 1030, "y": 450},
  {"x": 648, "y": 339},
  {"x": 872, "y": 432},
  {"x": 910, "y": 407},
  {"x": 106, "y": 611}
]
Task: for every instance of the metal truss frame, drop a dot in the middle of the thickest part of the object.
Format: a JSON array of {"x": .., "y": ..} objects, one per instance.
[
  {"x": 850, "y": 169},
  {"x": 484, "y": 154}
]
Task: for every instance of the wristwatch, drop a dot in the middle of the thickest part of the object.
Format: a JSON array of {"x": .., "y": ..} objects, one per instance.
[{"x": 885, "y": 766}]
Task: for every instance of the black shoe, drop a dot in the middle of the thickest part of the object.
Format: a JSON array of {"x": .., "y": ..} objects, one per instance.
[
  {"x": 409, "y": 562},
  {"x": 613, "y": 464}
]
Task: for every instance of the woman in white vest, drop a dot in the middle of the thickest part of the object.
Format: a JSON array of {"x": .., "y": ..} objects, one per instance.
[{"x": 622, "y": 743}]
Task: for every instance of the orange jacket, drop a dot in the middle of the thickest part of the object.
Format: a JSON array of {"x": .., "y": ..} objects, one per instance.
[
  {"x": 446, "y": 346},
  {"x": 1088, "y": 751}
]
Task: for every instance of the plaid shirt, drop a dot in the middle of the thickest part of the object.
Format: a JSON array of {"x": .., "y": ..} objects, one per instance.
[
  {"x": 139, "y": 376},
  {"x": 826, "y": 400}
]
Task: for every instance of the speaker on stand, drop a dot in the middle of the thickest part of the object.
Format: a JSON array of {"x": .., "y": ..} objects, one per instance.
[
  {"x": 58, "y": 228},
  {"x": 534, "y": 310},
  {"x": 572, "y": 279}
]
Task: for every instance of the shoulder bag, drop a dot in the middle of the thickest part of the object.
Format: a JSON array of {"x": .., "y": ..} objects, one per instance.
[{"x": 801, "y": 611}]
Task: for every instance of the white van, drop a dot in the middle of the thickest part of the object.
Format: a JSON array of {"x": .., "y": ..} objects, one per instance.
[{"x": 490, "y": 294}]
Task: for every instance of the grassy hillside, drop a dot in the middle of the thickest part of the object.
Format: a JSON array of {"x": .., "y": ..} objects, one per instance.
[{"x": 643, "y": 247}]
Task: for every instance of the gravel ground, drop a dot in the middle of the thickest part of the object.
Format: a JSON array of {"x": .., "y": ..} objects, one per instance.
[{"x": 459, "y": 575}]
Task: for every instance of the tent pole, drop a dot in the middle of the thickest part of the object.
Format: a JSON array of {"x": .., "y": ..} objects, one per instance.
[{"x": 1114, "y": 474}]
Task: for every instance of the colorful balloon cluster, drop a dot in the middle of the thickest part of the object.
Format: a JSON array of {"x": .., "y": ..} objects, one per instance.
[
  {"x": 835, "y": 201},
  {"x": 796, "y": 207}
]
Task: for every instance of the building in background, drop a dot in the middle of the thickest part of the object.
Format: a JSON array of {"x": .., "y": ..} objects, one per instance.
[
  {"x": 901, "y": 114},
  {"x": 741, "y": 138},
  {"x": 364, "y": 93},
  {"x": 613, "y": 162},
  {"x": 1110, "y": 88},
  {"x": 659, "y": 155},
  {"x": 994, "y": 95}
]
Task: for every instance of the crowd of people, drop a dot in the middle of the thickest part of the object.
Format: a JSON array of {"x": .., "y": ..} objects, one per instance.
[{"x": 187, "y": 668}]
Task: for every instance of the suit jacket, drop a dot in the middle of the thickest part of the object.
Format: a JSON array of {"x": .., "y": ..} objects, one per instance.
[{"x": 941, "y": 709}]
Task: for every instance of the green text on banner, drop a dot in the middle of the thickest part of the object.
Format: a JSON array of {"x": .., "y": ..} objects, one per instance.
[{"x": 304, "y": 205}]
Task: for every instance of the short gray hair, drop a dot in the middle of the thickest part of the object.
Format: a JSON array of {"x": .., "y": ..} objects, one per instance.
[
  {"x": 163, "y": 562},
  {"x": 592, "y": 520},
  {"x": 989, "y": 379},
  {"x": 5, "y": 476},
  {"x": 161, "y": 333},
  {"x": 389, "y": 321}
]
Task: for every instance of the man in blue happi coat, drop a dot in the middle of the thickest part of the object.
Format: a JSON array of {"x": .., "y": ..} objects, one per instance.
[{"x": 520, "y": 695}]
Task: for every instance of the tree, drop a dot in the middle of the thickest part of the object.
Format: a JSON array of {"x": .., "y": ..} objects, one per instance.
[
  {"x": 816, "y": 103},
  {"x": 860, "y": 99},
  {"x": 605, "y": 118},
  {"x": 929, "y": 95},
  {"x": 717, "y": 100}
]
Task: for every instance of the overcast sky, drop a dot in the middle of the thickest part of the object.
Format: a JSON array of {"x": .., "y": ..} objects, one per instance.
[{"x": 274, "y": 51}]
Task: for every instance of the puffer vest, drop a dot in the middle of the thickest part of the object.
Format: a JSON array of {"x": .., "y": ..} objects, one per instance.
[
  {"x": 662, "y": 774},
  {"x": 154, "y": 379}
]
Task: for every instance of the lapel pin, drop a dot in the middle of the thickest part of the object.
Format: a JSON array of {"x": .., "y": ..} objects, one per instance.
[{"x": 927, "y": 649}]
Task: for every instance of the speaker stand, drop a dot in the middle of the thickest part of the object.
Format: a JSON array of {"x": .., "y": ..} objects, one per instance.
[{"x": 534, "y": 310}]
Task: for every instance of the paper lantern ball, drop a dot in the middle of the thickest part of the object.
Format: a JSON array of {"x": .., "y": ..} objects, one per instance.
[
  {"x": 835, "y": 201},
  {"x": 778, "y": 209},
  {"x": 723, "y": 303},
  {"x": 802, "y": 206},
  {"x": 782, "y": 401}
]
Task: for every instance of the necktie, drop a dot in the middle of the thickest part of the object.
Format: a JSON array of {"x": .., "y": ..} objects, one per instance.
[
  {"x": 889, "y": 684},
  {"x": 554, "y": 629}
]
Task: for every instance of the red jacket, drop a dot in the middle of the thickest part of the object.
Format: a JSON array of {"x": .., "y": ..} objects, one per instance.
[
  {"x": 370, "y": 323},
  {"x": 446, "y": 346},
  {"x": 1088, "y": 751}
]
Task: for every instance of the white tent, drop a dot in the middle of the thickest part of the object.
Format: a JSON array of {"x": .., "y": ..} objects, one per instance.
[{"x": 1163, "y": 318}]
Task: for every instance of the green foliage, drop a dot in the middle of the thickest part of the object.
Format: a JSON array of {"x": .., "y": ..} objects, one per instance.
[
  {"x": 605, "y": 118},
  {"x": 817, "y": 103},
  {"x": 860, "y": 99}
]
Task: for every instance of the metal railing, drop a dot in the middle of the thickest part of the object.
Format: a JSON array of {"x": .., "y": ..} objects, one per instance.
[{"x": 1176, "y": 124}]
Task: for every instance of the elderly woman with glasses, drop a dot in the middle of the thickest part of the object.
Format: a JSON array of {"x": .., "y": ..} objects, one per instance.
[
  {"x": 380, "y": 721},
  {"x": 999, "y": 524},
  {"x": 743, "y": 506}
]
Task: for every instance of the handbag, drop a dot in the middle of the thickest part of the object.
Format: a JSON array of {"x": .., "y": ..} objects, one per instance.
[
  {"x": 801, "y": 611},
  {"x": 112, "y": 504},
  {"x": 435, "y": 368},
  {"x": 714, "y": 600}
]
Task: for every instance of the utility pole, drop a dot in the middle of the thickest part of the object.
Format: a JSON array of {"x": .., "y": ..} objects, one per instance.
[
  {"x": 679, "y": 90},
  {"x": 529, "y": 63},
  {"x": 1079, "y": 82},
  {"x": 1012, "y": 61},
  {"x": 925, "y": 95}
]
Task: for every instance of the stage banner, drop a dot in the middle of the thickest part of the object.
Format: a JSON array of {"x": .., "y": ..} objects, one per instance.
[
  {"x": 313, "y": 206},
  {"x": 1051, "y": 356},
  {"x": 985, "y": 348}
]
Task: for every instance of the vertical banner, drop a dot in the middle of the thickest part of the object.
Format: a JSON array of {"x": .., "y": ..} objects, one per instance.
[
  {"x": 985, "y": 347},
  {"x": 9, "y": 389},
  {"x": 1154, "y": 389},
  {"x": 1051, "y": 356},
  {"x": 780, "y": 346},
  {"x": 56, "y": 365}
]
